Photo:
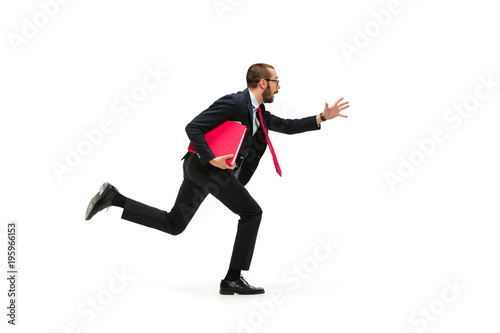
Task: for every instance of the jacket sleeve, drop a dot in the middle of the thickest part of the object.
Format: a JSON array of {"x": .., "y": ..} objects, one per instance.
[
  {"x": 291, "y": 126},
  {"x": 212, "y": 117}
]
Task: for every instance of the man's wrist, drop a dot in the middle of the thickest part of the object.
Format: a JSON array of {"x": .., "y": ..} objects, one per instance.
[{"x": 320, "y": 118}]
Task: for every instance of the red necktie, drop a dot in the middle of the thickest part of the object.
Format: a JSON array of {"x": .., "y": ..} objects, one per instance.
[{"x": 276, "y": 164}]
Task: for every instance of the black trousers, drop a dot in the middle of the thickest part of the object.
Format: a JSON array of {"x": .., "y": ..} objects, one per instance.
[{"x": 199, "y": 181}]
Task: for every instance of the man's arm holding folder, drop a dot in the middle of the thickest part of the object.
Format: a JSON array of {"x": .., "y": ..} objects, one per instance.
[{"x": 206, "y": 121}]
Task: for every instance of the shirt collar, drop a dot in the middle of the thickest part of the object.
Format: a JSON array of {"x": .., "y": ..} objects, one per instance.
[{"x": 255, "y": 104}]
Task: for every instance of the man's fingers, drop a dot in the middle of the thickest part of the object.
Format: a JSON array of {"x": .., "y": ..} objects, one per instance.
[
  {"x": 226, "y": 165},
  {"x": 337, "y": 102}
]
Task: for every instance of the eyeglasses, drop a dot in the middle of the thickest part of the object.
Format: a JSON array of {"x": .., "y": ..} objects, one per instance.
[{"x": 277, "y": 81}]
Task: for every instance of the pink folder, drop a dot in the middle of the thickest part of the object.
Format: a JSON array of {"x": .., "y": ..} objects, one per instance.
[{"x": 225, "y": 139}]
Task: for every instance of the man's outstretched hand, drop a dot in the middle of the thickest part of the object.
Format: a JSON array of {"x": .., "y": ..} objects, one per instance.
[
  {"x": 220, "y": 162},
  {"x": 335, "y": 109}
]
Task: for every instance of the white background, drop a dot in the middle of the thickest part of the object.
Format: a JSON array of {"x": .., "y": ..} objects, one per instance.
[{"x": 398, "y": 246}]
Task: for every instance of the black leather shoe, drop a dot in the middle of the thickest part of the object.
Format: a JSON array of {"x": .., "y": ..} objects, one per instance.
[
  {"x": 240, "y": 286},
  {"x": 101, "y": 200}
]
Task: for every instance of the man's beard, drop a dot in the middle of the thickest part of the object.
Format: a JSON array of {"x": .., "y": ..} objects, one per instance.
[{"x": 268, "y": 96}]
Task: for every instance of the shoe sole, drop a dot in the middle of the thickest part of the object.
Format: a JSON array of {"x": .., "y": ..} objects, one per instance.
[
  {"x": 232, "y": 292},
  {"x": 102, "y": 190}
]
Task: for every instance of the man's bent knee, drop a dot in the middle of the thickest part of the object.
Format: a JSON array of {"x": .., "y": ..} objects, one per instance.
[
  {"x": 174, "y": 227},
  {"x": 254, "y": 214}
]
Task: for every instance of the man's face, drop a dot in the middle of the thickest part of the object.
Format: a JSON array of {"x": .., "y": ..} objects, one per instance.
[{"x": 272, "y": 87}]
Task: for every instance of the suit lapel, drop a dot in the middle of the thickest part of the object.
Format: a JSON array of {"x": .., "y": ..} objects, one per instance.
[
  {"x": 249, "y": 104},
  {"x": 250, "y": 109}
]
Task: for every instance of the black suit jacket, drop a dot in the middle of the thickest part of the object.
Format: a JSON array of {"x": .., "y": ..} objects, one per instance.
[{"x": 238, "y": 107}]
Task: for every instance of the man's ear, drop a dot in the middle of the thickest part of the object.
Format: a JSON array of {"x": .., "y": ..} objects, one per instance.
[{"x": 263, "y": 83}]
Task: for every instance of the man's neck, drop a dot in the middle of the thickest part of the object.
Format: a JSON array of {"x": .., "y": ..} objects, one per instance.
[{"x": 257, "y": 96}]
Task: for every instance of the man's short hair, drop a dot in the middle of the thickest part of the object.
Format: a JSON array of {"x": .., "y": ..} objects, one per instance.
[{"x": 257, "y": 72}]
